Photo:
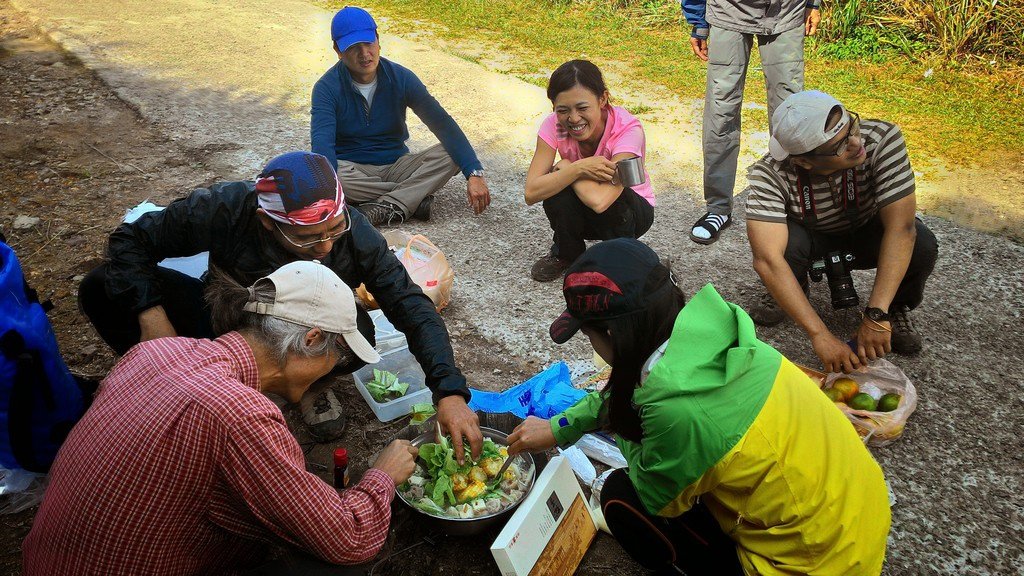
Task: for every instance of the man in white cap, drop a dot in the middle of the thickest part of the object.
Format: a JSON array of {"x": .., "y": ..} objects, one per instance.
[
  {"x": 358, "y": 123},
  {"x": 836, "y": 188},
  {"x": 183, "y": 466}
]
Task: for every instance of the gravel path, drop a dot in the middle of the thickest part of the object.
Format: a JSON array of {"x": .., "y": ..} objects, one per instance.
[{"x": 231, "y": 81}]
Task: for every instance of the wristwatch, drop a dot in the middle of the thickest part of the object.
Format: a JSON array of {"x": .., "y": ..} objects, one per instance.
[
  {"x": 478, "y": 172},
  {"x": 876, "y": 314}
]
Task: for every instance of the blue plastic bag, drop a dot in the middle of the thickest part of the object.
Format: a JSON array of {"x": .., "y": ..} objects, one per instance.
[{"x": 546, "y": 394}]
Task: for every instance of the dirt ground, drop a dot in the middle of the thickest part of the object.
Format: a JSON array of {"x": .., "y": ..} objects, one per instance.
[{"x": 78, "y": 148}]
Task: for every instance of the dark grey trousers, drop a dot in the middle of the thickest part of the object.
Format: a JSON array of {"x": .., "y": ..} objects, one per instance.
[{"x": 782, "y": 60}]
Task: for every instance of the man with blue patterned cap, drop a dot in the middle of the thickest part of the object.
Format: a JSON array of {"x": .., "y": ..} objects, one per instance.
[
  {"x": 294, "y": 210},
  {"x": 358, "y": 123}
]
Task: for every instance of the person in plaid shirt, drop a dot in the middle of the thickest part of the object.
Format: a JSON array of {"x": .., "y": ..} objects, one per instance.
[{"x": 183, "y": 466}]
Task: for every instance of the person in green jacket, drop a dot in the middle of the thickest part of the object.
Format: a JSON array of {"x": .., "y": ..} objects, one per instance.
[{"x": 737, "y": 463}]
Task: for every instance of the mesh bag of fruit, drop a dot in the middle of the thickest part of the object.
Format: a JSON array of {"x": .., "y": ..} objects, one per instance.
[{"x": 877, "y": 399}]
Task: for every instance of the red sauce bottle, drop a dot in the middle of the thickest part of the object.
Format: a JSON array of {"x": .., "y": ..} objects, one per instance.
[{"x": 341, "y": 468}]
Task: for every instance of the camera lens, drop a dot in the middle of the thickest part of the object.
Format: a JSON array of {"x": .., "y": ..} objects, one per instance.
[{"x": 840, "y": 282}]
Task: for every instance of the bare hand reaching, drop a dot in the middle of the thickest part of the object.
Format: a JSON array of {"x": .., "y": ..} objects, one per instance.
[
  {"x": 460, "y": 422},
  {"x": 533, "y": 435},
  {"x": 397, "y": 460}
]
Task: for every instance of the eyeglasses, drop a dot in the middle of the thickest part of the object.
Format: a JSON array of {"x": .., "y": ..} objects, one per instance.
[
  {"x": 844, "y": 144},
  {"x": 331, "y": 236}
]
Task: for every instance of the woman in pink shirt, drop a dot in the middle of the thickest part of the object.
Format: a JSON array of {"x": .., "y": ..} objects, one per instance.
[{"x": 582, "y": 196}]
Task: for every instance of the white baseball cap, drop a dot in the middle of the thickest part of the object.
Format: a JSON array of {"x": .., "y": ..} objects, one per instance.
[
  {"x": 798, "y": 124},
  {"x": 310, "y": 294}
]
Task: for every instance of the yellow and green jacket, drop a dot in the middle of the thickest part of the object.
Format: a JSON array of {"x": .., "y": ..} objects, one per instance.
[{"x": 727, "y": 419}]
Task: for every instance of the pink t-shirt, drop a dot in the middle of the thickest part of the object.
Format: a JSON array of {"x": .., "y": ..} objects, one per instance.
[{"x": 622, "y": 134}]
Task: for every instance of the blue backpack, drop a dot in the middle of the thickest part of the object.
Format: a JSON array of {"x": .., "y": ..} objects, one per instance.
[{"x": 40, "y": 400}]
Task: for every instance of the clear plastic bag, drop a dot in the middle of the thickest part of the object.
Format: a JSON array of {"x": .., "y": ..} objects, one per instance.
[
  {"x": 880, "y": 428},
  {"x": 20, "y": 489}
]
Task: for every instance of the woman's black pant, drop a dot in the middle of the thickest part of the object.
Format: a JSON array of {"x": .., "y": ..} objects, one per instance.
[
  {"x": 184, "y": 304},
  {"x": 630, "y": 216},
  {"x": 692, "y": 543}
]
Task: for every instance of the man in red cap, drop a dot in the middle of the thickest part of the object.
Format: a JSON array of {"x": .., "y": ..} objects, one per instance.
[{"x": 295, "y": 210}]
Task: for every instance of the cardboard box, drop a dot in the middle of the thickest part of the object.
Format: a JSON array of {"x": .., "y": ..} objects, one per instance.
[{"x": 551, "y": 530}]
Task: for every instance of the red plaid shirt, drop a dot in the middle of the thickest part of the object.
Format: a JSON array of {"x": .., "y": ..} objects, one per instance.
[{"x": 181, "y": 466}]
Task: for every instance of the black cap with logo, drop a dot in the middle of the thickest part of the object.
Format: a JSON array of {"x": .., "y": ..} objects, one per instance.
[{"x": 611, "y": 279}]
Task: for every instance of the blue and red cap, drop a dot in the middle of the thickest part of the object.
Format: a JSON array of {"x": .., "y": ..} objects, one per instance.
[
  {"x": 611, "y": 279},
  {"x": 352, "y": 25},
  {"x": 300, "y": 188}
]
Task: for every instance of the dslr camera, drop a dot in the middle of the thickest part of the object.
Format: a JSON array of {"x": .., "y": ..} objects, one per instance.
[{"x": 836, "y": 267}]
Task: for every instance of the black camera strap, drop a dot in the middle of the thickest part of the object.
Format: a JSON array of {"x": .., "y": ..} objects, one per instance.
[{"x": 849, "y": 195}]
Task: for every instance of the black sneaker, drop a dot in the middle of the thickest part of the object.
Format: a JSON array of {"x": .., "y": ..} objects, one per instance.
[
  {"x": 381, "y": 213},
  {"x": 549, "y": 268},
  {"x": 905, "y": 339},
  {"x": 323, "y": 415},
  {"x": 423, "y": 210}
]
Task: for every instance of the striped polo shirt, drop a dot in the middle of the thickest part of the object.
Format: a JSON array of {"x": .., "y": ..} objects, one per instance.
[{"x": 885, "y": 177}]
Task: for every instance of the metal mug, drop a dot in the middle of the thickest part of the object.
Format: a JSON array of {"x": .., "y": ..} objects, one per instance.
[{"x": 630, "y": 171}]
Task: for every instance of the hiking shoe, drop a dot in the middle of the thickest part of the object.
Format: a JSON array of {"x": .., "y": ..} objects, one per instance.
[
  {"x": 323, "y": 415},
  {"x": 548, "y": 268},
  {"x": 381, "y": 213},
  {"x": 423, "y": 210},
  {"x": 905, "y": 339},
  {"x": 767, "y": 311}
]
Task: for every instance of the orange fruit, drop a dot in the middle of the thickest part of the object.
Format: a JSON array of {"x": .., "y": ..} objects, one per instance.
[{"x": 847, "y": 387}]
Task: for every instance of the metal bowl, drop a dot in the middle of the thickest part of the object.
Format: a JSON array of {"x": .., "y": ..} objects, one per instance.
[{"x": 470, "y": 526}]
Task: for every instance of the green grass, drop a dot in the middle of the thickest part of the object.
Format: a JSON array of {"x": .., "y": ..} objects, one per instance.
[{"x": 958, "y": 116}]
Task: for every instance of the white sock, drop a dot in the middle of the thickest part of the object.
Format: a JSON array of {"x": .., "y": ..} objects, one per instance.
[{"x": 716, "y": 220}]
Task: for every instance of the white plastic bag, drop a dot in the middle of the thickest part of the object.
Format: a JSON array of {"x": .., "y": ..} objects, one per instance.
[
  {"x": 426, "y": 265},
  {"x": 880, "y": 428}
]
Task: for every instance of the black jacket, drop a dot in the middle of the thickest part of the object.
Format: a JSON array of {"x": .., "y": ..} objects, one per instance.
[{"x": 223, "y": 221}]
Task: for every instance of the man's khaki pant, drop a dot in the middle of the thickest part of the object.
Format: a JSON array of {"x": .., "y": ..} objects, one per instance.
[
  {"x": 404, "y": 183},
  {"x": 782, "y": 59}
]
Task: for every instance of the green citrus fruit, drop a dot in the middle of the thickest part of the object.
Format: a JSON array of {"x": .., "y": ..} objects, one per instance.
[
  {"x": 834, "y": 395},
  {"x": 889, "y": 402},
  {"x": 862, "y": 402}
]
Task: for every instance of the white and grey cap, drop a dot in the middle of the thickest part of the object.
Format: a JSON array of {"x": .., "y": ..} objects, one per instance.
[
  {"x": 310, "y": 294},
  {"x": 799, "y": 123}
]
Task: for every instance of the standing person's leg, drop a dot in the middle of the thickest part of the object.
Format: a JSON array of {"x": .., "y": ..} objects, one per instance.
[
  {"x": 565, "y": 213},
  {"x": 693, "y": 542},
  {"x": 728, "y": 56},
  {"x": 630, "y": 216},
  {"x": 417, "y": 176},
  {"x": 782, "y": 59},
  {"x": 118, "y": 325}
]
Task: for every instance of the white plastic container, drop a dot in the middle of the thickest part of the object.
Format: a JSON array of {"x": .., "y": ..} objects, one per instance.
[{"x": 403, "y": 364}]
